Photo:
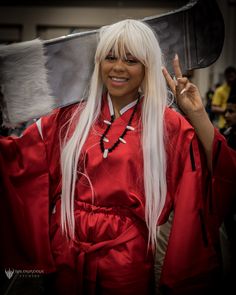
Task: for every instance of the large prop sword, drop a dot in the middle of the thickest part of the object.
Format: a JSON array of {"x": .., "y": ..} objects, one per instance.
[{"x": 37, "y": 76}]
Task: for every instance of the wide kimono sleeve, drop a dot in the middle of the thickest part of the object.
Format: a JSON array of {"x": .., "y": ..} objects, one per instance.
[
  {"x": 222, "y": 190},
  {"x": 186, "y": 158},
  {"x": 25, "y": 196},
  {"x": 199, "y": 200}
]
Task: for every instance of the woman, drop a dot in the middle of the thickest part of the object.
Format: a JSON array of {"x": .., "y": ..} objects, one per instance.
[{"x": 90, "y": 183}]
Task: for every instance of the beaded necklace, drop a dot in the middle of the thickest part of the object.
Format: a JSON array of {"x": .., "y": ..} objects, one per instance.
[{"x": 128, "y": 127}]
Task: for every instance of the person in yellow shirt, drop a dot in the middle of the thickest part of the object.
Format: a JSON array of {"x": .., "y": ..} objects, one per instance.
[{"x": 220, "y": 97}]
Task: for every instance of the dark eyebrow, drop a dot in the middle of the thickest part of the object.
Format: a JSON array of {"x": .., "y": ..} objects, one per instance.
[{"x": 129, "y": 54}]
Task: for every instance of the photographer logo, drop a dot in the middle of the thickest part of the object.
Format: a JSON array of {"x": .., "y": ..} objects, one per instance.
[{"x": 9, "y": 273}]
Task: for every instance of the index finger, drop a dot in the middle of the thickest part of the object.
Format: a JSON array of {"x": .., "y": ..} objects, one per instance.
[
  {"x": 171, "y": 83},
  {"x": 176, "y": 67}
]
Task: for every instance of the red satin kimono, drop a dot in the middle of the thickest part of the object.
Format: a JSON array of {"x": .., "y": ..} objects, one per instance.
[{"x": 109, "y": 254}]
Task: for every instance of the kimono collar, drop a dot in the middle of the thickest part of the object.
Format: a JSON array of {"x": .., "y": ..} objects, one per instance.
[{"x": 123, "y": 110}]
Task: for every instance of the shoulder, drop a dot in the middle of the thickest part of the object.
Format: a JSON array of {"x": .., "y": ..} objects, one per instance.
[
  {"x": 61, "y": 114},
  {"x": 221, "y": 91},
  {"x": 57, "y": 119}
]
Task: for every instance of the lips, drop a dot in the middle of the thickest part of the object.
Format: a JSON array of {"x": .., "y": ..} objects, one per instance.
[{"x": 119, "y": 79}]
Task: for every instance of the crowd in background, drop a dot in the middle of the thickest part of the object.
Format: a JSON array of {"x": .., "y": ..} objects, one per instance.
[{"x": 221, "y": 105}]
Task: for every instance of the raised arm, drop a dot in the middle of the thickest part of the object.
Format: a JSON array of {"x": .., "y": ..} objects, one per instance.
[{"x": 189, "y": 100}]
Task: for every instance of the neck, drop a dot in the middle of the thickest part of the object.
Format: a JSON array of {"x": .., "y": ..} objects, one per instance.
[{"x": 120, "y": 102}]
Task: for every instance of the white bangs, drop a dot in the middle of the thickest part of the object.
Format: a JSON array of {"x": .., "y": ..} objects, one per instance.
[{"x": 133, "y": 37}]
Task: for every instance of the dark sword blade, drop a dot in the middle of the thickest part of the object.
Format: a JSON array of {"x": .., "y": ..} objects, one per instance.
[{"x": 195, "y": 32}]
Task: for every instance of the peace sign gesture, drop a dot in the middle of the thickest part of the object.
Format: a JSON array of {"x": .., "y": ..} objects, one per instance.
[
  {"x": 186, "y": 93},
  {"x": 189, "y": 100}
]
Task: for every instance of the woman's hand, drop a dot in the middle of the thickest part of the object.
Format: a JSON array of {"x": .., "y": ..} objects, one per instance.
[
  {"x": 186, "y": 93},
  {"x": 189, "y": 100}
]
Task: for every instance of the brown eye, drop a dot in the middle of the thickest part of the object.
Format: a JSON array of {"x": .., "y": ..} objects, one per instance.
[
  {"x": 110, "y": 57},
  {"x": 131, "y": 61}
]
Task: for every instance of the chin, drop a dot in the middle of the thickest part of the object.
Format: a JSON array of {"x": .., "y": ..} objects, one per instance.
[{"x": 117, "y": 93}]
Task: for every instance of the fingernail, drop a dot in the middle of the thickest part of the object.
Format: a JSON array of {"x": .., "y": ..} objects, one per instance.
[
  {"x": 182, "y": 91},
  {"x": 176, "y": 56},
  {"x": 176, "y": 82}
]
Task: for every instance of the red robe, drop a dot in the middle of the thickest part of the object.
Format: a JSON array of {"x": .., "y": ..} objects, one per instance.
[{"x": 109, "y": 254}]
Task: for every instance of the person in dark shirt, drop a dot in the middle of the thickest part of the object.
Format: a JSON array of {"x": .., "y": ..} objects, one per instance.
[{"x": 230, "y": 117}]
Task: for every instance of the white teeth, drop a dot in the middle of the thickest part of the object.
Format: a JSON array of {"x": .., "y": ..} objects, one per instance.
[{"x": 119, "y": 79}]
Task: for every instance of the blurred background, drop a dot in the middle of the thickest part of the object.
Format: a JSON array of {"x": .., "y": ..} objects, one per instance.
[{"x": 55, "y": 18}]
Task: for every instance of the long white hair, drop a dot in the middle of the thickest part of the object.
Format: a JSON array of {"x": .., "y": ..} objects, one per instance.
[{"x": 138, "y": 39}]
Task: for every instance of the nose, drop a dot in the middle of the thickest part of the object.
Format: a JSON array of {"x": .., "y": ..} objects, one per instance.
[{"x": 118, "y": 65}]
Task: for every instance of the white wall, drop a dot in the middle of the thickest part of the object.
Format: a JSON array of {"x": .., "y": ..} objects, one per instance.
[{"x": 31, "y": 17}]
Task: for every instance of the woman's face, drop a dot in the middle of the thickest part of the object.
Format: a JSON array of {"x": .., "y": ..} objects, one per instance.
[
  {"x": 230, "y": 114},
  {"x": 122, "y": 77}
]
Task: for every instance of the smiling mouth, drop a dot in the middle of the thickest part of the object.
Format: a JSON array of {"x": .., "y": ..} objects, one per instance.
[{"x": 119, "y": 79}]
